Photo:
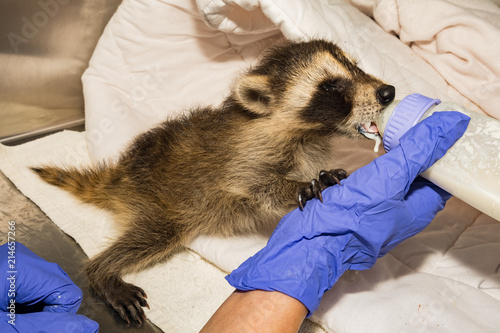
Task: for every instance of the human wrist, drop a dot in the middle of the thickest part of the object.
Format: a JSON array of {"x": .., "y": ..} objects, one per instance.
[{"x": 276, "y": 268}]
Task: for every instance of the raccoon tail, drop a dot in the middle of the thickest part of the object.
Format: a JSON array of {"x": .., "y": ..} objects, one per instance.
[{"x": 87, "y": 185}]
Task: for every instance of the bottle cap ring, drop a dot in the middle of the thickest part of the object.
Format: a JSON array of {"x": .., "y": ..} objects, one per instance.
[{"x": 406, "y": 114}]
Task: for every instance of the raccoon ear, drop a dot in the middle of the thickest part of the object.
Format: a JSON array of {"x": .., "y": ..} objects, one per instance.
[{"x": 253, "y": 92}]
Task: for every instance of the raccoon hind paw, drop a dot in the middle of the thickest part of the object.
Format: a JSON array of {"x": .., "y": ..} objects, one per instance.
[{"x": 126, "y": 299}]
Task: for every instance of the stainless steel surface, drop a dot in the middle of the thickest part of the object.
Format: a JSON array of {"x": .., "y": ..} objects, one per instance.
[
  {"x": 35, "y": 230},
  {"x": 45, "y": 46}
]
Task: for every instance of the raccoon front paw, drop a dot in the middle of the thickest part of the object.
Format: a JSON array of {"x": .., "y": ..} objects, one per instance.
[
  {"x": 326, "y": 179},
  {"x": 126, "y": 299},
  {"x": 309, "y": 192},
  {"x": 332, "y": 177}
]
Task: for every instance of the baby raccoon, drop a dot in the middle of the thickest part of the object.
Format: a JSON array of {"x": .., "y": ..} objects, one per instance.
[{"x": 234, "y": 169}]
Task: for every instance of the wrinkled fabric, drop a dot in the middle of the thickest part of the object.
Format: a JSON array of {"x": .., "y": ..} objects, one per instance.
[
  {"x": 373, "y": 210},
  {"x": 34, "y": 280}
]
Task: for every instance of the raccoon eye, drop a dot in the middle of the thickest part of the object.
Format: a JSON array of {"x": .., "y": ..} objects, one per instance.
[{"x": 332, "y": 85}]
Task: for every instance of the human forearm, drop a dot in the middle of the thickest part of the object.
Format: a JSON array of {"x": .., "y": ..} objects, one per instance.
[{"x": 257, "y": 311}]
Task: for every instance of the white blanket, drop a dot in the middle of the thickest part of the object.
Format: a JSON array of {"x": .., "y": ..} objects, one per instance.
[{"x": 157, "y": 57}]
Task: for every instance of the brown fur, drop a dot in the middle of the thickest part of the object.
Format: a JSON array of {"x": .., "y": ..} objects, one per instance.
[{"x": 234, "y": 169}]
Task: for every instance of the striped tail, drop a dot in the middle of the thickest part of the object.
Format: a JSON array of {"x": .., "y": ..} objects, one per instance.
[{"x": 87, "y": 185}]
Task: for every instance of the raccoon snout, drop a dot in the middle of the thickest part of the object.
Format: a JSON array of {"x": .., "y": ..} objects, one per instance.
[{"x": 386, "y": 94}]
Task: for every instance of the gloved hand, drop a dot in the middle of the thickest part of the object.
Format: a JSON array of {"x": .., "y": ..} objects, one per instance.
[
  {"x": 36, "y": 280},
  {"x": 373, "y": 210}
]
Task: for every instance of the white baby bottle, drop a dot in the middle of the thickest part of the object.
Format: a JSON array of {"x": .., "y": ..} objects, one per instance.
[{"x": 470, "y": 170}]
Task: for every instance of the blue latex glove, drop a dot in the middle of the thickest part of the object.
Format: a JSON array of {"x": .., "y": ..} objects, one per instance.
[
  {"x": 35, "y": 281},
  {"x": 373, "y": 210}
]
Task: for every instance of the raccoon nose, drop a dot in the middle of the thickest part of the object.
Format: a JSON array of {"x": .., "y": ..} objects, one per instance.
[{"x": 386, "y": 94}]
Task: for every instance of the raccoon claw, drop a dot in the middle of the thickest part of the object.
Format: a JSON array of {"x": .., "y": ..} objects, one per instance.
[
  {"x": 332, "y": 177},
  {"x": 326, "y": 179},
  {"x": 127, "y": 300},
  {"x": 309, "y": 192}
]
